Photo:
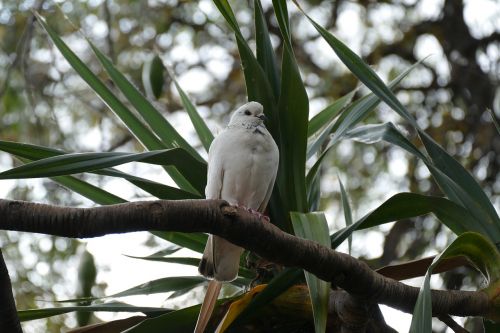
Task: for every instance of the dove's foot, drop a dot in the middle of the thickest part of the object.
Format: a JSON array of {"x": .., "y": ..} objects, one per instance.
[
  {"x": 259, "y": 215},
  {"x": 256, "y": 213}
]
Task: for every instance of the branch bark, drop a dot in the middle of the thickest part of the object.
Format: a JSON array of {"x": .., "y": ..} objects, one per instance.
[{"x": 243, "y": 229}]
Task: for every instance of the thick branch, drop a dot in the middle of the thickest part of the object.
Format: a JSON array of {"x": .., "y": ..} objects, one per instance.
[{"x": 243, "y": 229}]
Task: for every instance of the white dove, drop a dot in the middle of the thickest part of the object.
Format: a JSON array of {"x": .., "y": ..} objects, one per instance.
[{"x": 242, "y": 166}]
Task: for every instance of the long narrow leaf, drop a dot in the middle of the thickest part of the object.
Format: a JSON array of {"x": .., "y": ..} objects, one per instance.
[
  {"x": 192, "y": 241},
  {"x": 258, "y": 87},
  {"x": 347, "y": 210},
  {"x": 408, "y": 205},
  {"x": 325, "y": 117},
  {"x": 355, "y": 113},
  {"x": 137, "y": 128},
  {"x": 265, "y": 52},
  {"x": 34, "y": 152},
  {"x": 189, "y": 261},
  {"x": 162, "y": 285},
  {"x": 293, "y": 119},
  {"x": 454, "y": 170},
  {"x": 313, "y": 226},
  {"x": 89, "y": 191},
  {"x": 160, "y": 126},
  {"x": 373, "y": 133},
  {"x": 478, "y": 250},
  {"x": 495, "y": 121},
  {"x": 329, "y": 113},
  {"x": 173, "y": 260},
  {"x": 362, "y": 71},
  {"x": 453, "y": 179},
  {"x": 204, "y": 133},
  {"x": 26, "y": 315},
  {"x": 83, "y": 162},
  {"x": 85, "y": 189}
]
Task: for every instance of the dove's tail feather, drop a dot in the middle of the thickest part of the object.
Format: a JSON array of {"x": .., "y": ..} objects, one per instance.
[
  {"x": 221, "y": 259},
  {"x": 208, "y": 306}
]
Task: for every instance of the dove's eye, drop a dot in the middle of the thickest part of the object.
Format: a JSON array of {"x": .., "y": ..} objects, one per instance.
[{"x": 247, "y": 112}]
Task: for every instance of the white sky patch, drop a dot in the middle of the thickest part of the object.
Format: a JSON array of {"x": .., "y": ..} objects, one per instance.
[
  {"x": 429, "y": 9},
  {"x": 109, "y": 251},
  {"x": 482, "y": 17},
  {"x": 427, "y": 45},
  {"x": 398, "y": 164},
  {"x": 195, "y": 81},
  {"x": 350, "y": 26},
  {"x": 396, "y": 319}
]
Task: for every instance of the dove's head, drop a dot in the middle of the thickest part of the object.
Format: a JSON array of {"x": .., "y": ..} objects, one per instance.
[{"x": 249, "y": 114}]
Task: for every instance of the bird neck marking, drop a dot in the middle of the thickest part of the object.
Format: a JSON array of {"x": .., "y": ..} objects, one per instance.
[{"x": 257, "y": 130}]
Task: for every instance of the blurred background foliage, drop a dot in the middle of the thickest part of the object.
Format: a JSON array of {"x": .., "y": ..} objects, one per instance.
[{"x": 43, "y": 101}]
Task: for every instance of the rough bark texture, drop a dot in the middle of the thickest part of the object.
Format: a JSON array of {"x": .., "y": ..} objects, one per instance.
[{"x": 243, "y": 229}]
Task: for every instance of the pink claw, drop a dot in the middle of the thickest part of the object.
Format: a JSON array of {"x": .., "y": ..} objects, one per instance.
[{"x": 260, "y": 215}]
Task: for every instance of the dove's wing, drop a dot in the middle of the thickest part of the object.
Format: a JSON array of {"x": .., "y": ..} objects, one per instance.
[
  {"x": 215, "y": 173},
  {"x": 221, "y": 258},
  {"x": 264, "y": 203}
]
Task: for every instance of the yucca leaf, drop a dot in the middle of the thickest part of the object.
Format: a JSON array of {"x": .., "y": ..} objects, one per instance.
[
  {"x": 258, "y": 87},
  {"x": 34, "y": 152},
  {"x": 89, "y": 191},
  {"x": 82, "y": 162},
  {"x": 495, "y": 121},
  {"x": 182, "y": 321},
  {"x": 192, "y": 241},
  {"x": 265, "y": 52},
  {"x": 407, "y": 205},
  {"x": 480, "y": 253},
  {"x": 313, "y": 226},
  {"x": 329, "y": 113},
  {"x": 463, "y": 179},
  {"x": 162, "y": 285},
  {"x": 189, "y": 261},
  {"x": 227, "y": 12},
  {"x": 136, "y": 127},
  {"x": 293, "y": 109},
  {"x": 153, "y": 77},
  {"x": 355, "y": 113},
  {"x": 204, "y": 133},
  {"x": 26, "y": 315},
  {"x": 373, "y": 133},
  {"x": 362, "y": 71},
  {"x": 461, "y": 189},
  {"x": 85, "y": 189},
  {"x": 173, "y": 260},
  {"x": 160, "y": 126},
  {"x": 346, "y": 206}
]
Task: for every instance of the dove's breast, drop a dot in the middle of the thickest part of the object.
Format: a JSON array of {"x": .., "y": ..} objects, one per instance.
[{"x": 249, "y": 163}]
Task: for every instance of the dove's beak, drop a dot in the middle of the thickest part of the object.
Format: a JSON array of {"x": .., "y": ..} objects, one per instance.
[{"x": 262, "y": 117}]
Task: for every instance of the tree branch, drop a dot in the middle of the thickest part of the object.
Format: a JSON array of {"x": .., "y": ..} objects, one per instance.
[{"x": 243, "y": 229}]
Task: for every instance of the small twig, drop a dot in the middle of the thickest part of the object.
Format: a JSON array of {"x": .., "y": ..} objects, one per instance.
[{"x": 452, "y": 324}]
